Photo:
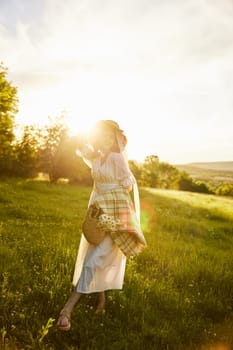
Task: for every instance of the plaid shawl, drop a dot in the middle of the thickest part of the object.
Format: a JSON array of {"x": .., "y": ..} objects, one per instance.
[{"x": 118, "y": 205}]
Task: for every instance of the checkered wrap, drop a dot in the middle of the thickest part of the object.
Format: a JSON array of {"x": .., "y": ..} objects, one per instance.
[{"x": 123, "y": 227}]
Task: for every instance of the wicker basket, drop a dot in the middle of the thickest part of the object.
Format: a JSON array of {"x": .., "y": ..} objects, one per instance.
[{"x": 91, "y": 230}]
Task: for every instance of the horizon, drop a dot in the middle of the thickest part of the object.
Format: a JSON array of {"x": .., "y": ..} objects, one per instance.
[
  {"x": 190, "y": 163},
  {"x": 206, "y": 162}
]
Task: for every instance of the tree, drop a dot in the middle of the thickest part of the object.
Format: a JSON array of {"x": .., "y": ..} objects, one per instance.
[
  {"x": 69, "y": 165},
  {"x": 27, "y": 151},
  {"x": 136, "y": 169},
  {"x": 185, "y": 182},
  {"x": 202, "y": 187},
  {"x": 54, "y": 135},
  {"x": 150, "y": 176},
  {"x": 168, "y": 175},
  {"x": 58, "y": 155},
  {"x": 8, "y": 108},
  {"x": 225, "y": 190}
]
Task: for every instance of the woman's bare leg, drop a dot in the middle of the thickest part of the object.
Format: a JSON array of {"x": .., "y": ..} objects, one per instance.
[
  {"x": 63, "y": 322},
  {"x": 73, "y": 299}
]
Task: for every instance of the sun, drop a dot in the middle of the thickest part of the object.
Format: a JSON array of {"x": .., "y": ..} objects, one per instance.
[{"x": 77, "y": 125}]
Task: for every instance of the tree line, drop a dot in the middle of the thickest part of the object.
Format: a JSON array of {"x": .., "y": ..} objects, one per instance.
[{"x": 51, "y": 150}]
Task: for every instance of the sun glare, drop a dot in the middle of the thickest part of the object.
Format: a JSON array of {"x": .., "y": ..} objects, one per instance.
[
  {"x": 88, "y": 97},
  {"x": 79, "y": 125}
]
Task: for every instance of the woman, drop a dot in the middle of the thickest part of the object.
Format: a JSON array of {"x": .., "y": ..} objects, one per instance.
[{"x": 102, "y": 267}]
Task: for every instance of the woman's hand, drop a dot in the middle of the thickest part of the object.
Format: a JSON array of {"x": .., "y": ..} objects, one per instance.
[{"x": 80, "y": 141}]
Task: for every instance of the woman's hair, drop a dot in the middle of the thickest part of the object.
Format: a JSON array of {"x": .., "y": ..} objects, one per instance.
[{"x": 102, "y": 125}]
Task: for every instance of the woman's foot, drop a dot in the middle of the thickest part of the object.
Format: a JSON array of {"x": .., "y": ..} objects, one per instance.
[
  {"x": 100, "y": 310},
  {"x": 63, "y": 322}
]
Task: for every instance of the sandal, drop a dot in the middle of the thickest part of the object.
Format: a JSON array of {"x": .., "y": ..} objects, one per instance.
[{"x": 64, "y": 326}]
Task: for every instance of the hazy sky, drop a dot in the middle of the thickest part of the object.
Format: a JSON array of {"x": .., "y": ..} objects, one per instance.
[{"x": 162, "y": 69}]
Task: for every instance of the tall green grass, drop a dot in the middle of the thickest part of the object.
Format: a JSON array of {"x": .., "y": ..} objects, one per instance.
[{"x": 177, "y": 294}]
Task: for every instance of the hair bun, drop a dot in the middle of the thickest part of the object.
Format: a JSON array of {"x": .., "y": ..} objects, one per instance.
[{"x": 123, "y": 138}]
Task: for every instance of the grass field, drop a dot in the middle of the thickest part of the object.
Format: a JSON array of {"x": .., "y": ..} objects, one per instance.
[{"x": 178, "y": 294}]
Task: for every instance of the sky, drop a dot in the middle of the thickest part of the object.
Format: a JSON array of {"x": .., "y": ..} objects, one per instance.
[{"x": 162, "y": 69}]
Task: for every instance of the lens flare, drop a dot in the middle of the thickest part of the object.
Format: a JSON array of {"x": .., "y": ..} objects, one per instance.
[{"x": 148, "y": 216}]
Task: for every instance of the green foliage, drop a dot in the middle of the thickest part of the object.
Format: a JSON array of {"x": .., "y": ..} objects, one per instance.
[
  {"x": 177, "y": 294},
  {"x": 168, "y": 175},
  {"x": 150, "y": 176},
  {"x": 53, "y": 139},
  {"x": 156, "y": 174},
  {"x": 71, "y": 166},
  {"x": 8, "y": 94},
  {"x": 57, "y": 155},
  {"x": 8, "y": 107},
  {"x": 217, "y": 176},
  {"x": 186, "y": 182},
  {"x": 225, "y": 190},
  {"x": 136, "y": 169},
  {"x": 27, "y": 151}
]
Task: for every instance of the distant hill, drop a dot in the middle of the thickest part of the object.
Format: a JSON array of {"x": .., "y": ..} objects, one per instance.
[
  {"x": 215, "y": 171},
  {"x": 225, "y": 166}
]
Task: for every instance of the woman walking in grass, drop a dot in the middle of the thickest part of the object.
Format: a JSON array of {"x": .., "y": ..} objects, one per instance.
[{"x": 102, "y": 267}]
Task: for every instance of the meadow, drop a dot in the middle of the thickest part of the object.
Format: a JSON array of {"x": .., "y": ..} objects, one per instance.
[{"x": 177, "y": 295}]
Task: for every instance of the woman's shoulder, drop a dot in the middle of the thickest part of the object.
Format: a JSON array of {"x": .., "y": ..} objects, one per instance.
[
  {"x": 116, "y": 155},
  {"x": 119, "y": 159}
]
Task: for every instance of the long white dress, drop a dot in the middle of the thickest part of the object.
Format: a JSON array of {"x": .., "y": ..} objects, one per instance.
[{"x": 102, "y": 267}]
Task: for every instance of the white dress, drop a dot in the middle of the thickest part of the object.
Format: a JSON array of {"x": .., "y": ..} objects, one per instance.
[{"x": 102, "y": 267}]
